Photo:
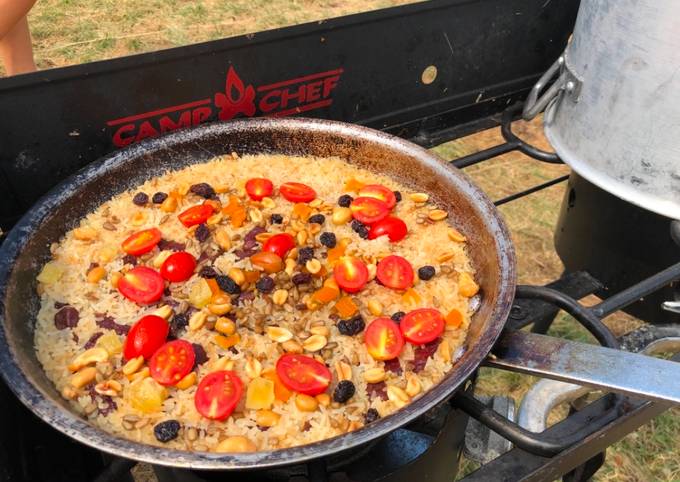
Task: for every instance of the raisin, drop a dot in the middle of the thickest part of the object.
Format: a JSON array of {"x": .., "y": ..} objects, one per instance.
[
  {"x": 317, "y": 219},
  {"x": 265, "y": 284},
  {"x": 351, "y": 326},
  {"x": 92, "y": 341},
  {"x": 345, "y": 200},
  {"x": 207, "y": 272},
  {"x": 109, "y": 323},
  {"x": 229, "y": 285},
  {"x": 202, "y": 232},
  {"x": 67, "y": 317},
  {"x": 396, "y": 317},
  {"x": 328, "y": 239},
  {"x": 371, "y": 416},
  {"x": 159, "y": 197},
  {"x": 397, "y": 195},
  {"x": 426, "y": 272},
  {"x": 276, "y": 219},
  {"x": 178, "y": 323},
  {"x": 301, "y": 278},
  {"x": 200, "y": 356},
  {"x": 360, "y": 228},
  {"x": 344, "y": 391},
  {"x": 130, "y": 259},
  {"x": 166, "y": 431},
  {"x": 140, "y": 199},
  {"x": 305, "y": 254},
  {"x": 203, "y": 189}
]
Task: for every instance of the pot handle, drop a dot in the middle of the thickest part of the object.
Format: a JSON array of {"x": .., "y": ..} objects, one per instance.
[{"x": 534, "y": 104}]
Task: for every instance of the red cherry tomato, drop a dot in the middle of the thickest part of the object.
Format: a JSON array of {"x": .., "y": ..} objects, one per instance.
[
  {"x": 142, "y": 285},
  {"x": 218, "y": 394},
  {"x": 178, "y": 267},
  {"x": 395, "y": 272},
  {"x": 369, "y": 210},
  {"x": 303, "y": 374},
  {"x": 142, "y": 242},
  {"x": 391, "y": 226},
  {"x": 196, "y": 215},
  {"x": 422, "y": 325},
  {"x": 258, "y": 188},
  {"x": 279, "y": 244},
  {"x": 350, "y": 273},
  {"x": 383, "y": 339},
  {"x": 172, "y": 362},
  {"x": 380, "y": 192},
  {"x": 297, "y": 192},
  {"x": 145, "y": 337}
]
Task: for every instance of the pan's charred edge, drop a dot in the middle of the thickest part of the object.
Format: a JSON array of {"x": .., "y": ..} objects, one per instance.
[{"x": 27, "y": 248}]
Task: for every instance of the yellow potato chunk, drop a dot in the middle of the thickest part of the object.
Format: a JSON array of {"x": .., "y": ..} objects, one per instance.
[{"x": 260, "y": 394}]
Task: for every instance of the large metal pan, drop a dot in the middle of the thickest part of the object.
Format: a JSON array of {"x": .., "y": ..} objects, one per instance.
[{"x": 27, "y": 248}]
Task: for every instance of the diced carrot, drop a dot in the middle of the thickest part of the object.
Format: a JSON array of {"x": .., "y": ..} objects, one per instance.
[
  {"x": 213, "y": 204},
  {"x": 214, "y": 287},
  {"x": 335, "y": 254},
  {"x": 346, "y": 307},
  {"x": 354, "y": 185},
  {"x": 235, "y": 211},
  {"x": 251, "y": 275},
  {"x": 302, "y": 211},
  {"x": 227, "y": 342},
  {"x": 325, "y": 294},
  {"x": 454, "y": 318},
  {"x": 280, "y": 390},
  {"x": 411, "y": 297},
  {"x": 331, "y": 283}
]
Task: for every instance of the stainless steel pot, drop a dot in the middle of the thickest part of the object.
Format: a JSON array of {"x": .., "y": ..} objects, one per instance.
[{"x": 613, "y": 114}]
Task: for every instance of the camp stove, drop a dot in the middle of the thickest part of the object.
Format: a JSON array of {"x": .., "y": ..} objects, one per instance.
[{"x": 428, "y": 72}]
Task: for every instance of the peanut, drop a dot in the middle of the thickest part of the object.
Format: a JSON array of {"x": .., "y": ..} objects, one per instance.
[
  {"x": 133, "y": 365},
  {"x": 236, "y": 444},
  {"x": 169, "y": 205},
  {"x": 278, "y": 334},
  {"x": 222, "y": 239},
  {"x": 306, "y": 403},
  {"x": 267, "y": 418},
  {"x": 83, "y": 377},
  {"x": 96, "y": 274},
  {"x": 419, "y": 197},
  {"x": 85, "y": 233},
  {"x": 237, "y": 275},
  {"x": 341, "y": 215},
  {"x": 88, "y": 357},
  {"x": 437, "y": 214},
  {"x": 315, "y": 343},
  {"x": 186, "y": 382},
  {"x": 375, "y": 307},
  {"x": 375, "y": 375},
  {"x": 397, "y": 396},
  {"x": 279, "y": 297},
  {"x": 225, "y": 326},
  {"x": 197, "y": 320}
]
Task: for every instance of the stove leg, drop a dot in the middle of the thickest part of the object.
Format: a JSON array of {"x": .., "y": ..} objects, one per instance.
[{"x": 584, "y": 472}]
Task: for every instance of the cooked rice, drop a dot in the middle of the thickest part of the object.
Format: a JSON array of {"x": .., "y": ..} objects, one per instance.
[{"x": 425, "y": 242}]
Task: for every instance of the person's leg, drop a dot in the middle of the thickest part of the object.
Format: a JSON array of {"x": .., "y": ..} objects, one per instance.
[
  {"x": 16, "y": 50},
  {"x": 15, "y": 39}
]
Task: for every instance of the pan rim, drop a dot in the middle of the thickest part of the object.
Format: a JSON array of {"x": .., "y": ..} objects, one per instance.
[{"x": 79, "y": 429}]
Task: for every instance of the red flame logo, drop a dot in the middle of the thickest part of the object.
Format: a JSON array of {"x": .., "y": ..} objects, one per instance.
[{"x": 237, "y": 99}]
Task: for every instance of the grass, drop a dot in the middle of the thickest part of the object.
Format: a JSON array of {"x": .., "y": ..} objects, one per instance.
[{"x": 75, "y": 31}]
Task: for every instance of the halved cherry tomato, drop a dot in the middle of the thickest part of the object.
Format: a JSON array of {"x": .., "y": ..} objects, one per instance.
[
  {"x": 218, "y": 394},
  {"x": 178, "y": 267},
  {"x": 195, "y": 215},
  {"x": 391, "y": 226},
  {"x": 379, "y": 191},
  {"x": 350, "y": 273},
  {"x": 279, "y": 244},
  {"x": 145, "y": 337},
  {"x": 383, "y": 339},
  {"x": 369, "y": 210},
  {"x": 142, "y": 285},
  {"x": 258, "y": 188},
  {"x": 142, "y": 242},
  {"x": 297, "y": 192},
  {"x": 172, "y": 362},
  {"x": 395, "y": 272},
  {"x": 422, "y": 325},
  {"x": 303, "y": 374}
]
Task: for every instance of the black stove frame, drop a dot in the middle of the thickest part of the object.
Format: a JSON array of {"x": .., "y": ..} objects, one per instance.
[{"x": 54, "y": 122}]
